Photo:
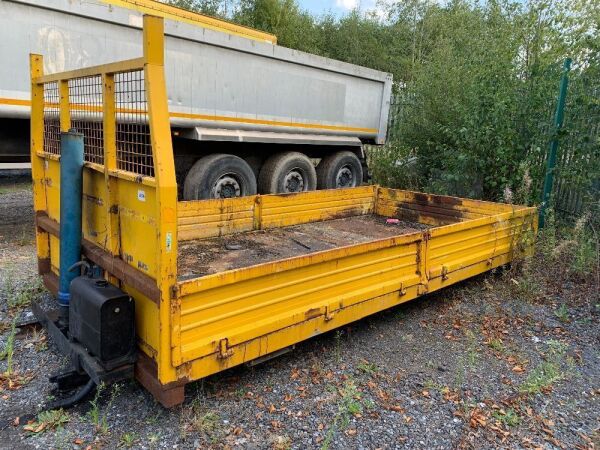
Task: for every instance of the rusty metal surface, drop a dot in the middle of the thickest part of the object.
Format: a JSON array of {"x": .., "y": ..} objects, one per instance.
[{"x": 114, "y": 265}]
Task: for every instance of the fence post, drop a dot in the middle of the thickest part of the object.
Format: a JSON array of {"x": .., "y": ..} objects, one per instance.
[{"x": 558, "y": 123}]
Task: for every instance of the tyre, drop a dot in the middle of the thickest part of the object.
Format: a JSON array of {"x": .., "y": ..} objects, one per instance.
[
  {"x": 287, "y": 172},
  {"x": 219, "y": 176},
  {"x": 339, "y": 170}
]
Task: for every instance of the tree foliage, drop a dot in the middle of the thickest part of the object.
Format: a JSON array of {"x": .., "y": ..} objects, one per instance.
[{"x": 475, "y": 82}]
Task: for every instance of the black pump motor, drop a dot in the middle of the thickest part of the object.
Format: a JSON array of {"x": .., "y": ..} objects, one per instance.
[{"x": 102, "y": 319}]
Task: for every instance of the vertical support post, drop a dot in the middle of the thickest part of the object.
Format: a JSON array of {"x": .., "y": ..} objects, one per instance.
[
  {"x": 552, "y": 151},
  {"x": 166, "y": 193},
  {"x": 71, "y": 182},
  {"x": 65, "y": 110},
  {"x": 36, "y": 63},
  {"x": 113, "y": 244}
]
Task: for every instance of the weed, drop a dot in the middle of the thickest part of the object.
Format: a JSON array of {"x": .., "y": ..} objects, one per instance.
[
  {"x": 198, "y": 418},
  {"x": 21, "y": 298},
  {"x": 338, "y": 351},
  {"x": 367, "y": 367},
  {"x": 472, "y": 353},
  {"x": 94, "y": 416},
  {"x": 9, "y": 348},
  {"x": 548, "y": 372},
  {"x": 350, "y": 404},
  {"x": 206, "y": 423},
  {"x": 562, "y": 313},
  {"x": 128, "y": 439},
  {"x": 48, "y": 420},
  {"x": 431, "y": 385},
  {"x": 153, "y": 438},
  {"x": 282, "y": 443},
  {"x": 509, "y": 417},
  {"x": 497, "y": 345}
]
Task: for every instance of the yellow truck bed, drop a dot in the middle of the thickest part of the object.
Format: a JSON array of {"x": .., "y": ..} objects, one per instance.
[{"x": 308, "y": 263}]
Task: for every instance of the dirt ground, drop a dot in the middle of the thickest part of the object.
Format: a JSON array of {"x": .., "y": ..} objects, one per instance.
[{"x": 505, "y": 360}]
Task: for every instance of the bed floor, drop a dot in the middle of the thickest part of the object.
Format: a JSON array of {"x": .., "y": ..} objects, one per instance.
[{"x": 206, "y": 256}]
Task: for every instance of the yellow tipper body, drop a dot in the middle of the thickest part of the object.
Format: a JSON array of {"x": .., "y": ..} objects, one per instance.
[{"x": 132, "y": 223}]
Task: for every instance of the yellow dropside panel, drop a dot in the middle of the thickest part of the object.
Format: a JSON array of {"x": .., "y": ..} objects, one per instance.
[
  {"x": 293, "y": 209},
  {"x": 455, "y": 247},
  {"x": 210, "y": 218},
  {"x": 241, "y": 305}
]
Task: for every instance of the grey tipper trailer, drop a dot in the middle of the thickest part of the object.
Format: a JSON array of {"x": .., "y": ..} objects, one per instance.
[{"x": 246, "y": 115}]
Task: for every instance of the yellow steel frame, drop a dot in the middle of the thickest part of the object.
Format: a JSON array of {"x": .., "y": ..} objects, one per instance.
[
  {"x": 197, "y": 327},
  {"x": 126, "y": 215}
]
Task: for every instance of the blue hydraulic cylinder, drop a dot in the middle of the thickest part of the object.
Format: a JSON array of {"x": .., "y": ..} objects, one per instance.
[{"x": 71, "y": 186}]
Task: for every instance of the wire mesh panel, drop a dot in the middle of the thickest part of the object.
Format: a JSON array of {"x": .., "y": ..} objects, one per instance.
[
  {"x": 85, "y": 104},
  {"x": 51, "y": 118},
  {"x": 134, "y": 149}
]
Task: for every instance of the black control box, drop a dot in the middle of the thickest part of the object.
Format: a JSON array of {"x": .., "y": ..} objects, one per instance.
[{"x": 102, "y": 319}]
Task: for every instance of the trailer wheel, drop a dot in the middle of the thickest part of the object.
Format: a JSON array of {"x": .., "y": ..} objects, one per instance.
[
  {"x": 287, "y": 172},
  {"x": 219, "y": 176},
  {"x": 339, "y": 170}
]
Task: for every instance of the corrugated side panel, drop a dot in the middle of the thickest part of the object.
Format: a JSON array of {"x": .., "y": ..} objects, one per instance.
[
  {"x": 240, "y": 305},
  {"x": 210, "y": 218},
  {"x": 433, "y": 209},
  {"x": 463, "y": 245},
  {"x": 293, "y": 209}
]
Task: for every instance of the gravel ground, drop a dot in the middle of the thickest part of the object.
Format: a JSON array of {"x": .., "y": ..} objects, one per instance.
[{"x": 507, "y": 360}]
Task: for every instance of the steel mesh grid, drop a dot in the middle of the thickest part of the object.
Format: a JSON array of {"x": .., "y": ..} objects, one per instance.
[
  {"x": 51, "y": 118},
  {"x": 134, "y": 149},
  {"x": 85, "y": 104}
]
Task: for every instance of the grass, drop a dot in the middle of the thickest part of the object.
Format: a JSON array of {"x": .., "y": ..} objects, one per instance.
[
  {"x": 497, "y": 345},
  {"x": 48, "y": 420},
  {"x": 197, "y": 418},
  {"x": 508, "y": 418},
  {"x": 94, "y": 415},
  {"x": 338, "y": 344},
  {"x": 548, "y": 372},
  {"x": 367, "y": 367},
  {"x": 350, "y": 404},
  {"x": 9, "y": 349},
  {"x": 127, "y": 440},
  {"x": 562, "y": 313}
]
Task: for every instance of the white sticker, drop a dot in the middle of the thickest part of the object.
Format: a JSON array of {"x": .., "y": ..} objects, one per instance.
[
  {"x": 169, "y": 241},
  {"x": 141, "y": 195}
]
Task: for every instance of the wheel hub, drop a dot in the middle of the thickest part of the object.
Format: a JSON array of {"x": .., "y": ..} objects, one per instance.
[
  {"x": 293, "y": 182},
  {"x": 226, "y": 187},
  {"x": 345, "y": 178}
]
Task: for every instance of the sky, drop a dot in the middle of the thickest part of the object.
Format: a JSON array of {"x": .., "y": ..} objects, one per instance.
[{"x": 337, "y": 7}]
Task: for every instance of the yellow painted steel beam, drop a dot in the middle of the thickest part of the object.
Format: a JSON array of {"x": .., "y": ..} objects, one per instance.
[
  {"x": 116, "y": 67},
  {"x": 182, "y": 15},
  {"x": 36, "y": 63},
  {"x": 166, "y": 188}
]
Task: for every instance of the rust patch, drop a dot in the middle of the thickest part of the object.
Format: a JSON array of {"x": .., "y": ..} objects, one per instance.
[
  {"x": 43, "y": 265},
  {"x": 312, "y": 313},
  {"x": 168, "y": 395},
  {"x": 113, "y": 264}
]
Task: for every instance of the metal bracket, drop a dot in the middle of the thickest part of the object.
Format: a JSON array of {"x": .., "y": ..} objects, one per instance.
[
  {"x": 444, "y": 273},
  {"x": 224, "y": 350},
  {"x": 402, "y": 290},
  {"x": 328, "y": 314}
]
